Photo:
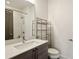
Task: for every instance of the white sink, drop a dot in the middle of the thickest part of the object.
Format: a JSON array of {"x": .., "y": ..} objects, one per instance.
[{"x": 26, "y": 44}]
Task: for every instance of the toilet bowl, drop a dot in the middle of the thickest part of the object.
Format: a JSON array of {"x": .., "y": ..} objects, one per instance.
[{"x": 53, "y": 53}]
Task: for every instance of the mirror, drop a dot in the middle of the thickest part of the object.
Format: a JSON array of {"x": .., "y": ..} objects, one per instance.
[{"x": 19, "y": 15}]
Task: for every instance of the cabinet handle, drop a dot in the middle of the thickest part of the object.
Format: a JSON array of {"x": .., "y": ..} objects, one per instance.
[{"x": 34, "y": 49}]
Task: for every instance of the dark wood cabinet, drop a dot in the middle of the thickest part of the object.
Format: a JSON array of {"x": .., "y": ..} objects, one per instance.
[
  {"x": 43, "y": 51},
  {"x": 40, "y": 52}
]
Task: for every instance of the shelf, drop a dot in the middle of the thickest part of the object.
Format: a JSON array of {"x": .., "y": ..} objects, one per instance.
[
  {"x": 41, "y": 30},
  {"x": 42, "y": 23}
]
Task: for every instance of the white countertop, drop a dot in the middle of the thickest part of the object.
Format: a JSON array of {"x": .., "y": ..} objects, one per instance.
[{"x": 11, "y": 50}]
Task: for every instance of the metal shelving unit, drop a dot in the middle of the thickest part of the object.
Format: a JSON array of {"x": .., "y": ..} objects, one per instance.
[{"x": 41, "y": 29}]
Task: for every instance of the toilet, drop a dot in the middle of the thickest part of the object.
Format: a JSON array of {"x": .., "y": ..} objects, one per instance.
[{"x": 53, "y": 53}]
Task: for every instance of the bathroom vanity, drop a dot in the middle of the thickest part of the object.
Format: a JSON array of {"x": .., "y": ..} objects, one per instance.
[{"x": 31, "y": 49}]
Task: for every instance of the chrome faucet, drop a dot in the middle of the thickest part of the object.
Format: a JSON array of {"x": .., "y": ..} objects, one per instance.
[{"x": 23, "y": 38}]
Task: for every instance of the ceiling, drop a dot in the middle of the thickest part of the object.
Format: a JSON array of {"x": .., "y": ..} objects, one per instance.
[{"x": 19, "y": 4}]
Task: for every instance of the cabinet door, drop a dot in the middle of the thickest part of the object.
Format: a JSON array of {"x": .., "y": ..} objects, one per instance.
[
  {"x": 43, "y": 55},
  {"x": 42, "y": 51},
  {"x": 25, "y": 55}
]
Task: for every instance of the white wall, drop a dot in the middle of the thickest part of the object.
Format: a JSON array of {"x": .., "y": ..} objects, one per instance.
[
  {"x": 60, "y": 13},
  {"x": 41, "y": 7}
]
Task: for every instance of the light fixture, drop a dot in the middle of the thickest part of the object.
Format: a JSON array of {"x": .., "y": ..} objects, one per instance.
[{"x": 8, "y": 2}]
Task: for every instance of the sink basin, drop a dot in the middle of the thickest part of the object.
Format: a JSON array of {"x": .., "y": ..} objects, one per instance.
[{"x": 26, "y": 44}]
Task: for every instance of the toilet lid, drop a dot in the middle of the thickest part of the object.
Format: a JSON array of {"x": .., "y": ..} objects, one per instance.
[{"x": 53, "y": 51}]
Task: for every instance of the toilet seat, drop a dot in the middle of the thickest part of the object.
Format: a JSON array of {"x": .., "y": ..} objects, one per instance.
[{"x": 53, "y": 51}]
